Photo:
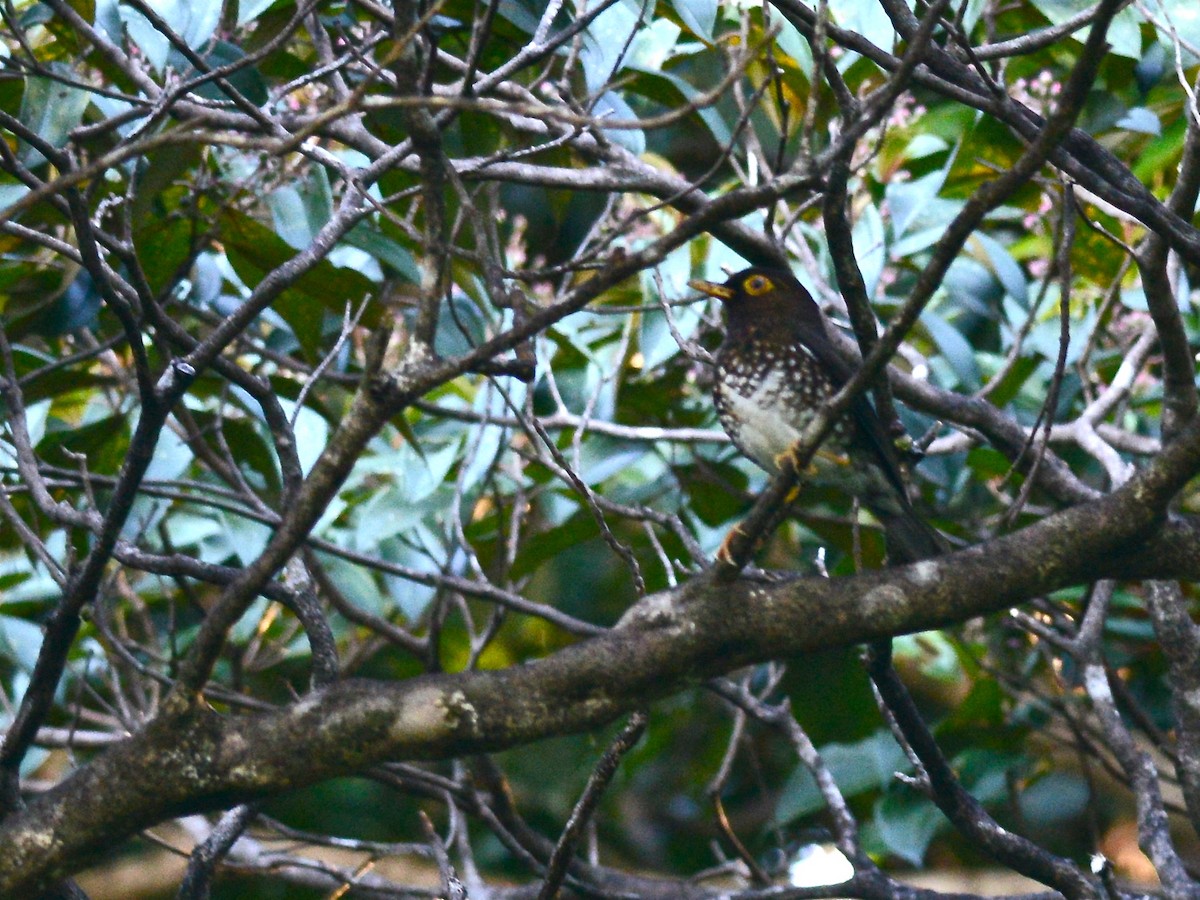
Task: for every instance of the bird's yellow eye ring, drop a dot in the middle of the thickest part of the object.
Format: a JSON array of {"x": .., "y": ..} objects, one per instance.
[{"x": 757, "y": 284}]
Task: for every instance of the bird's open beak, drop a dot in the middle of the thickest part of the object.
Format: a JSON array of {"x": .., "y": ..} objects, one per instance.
[{"x": 720, "y": 291}]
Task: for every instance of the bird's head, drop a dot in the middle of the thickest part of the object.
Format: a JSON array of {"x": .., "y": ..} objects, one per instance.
[{"x": 760, "y": 296}]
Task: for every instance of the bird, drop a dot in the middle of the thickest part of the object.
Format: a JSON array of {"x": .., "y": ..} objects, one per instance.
[{"x": 775, "y": 368}]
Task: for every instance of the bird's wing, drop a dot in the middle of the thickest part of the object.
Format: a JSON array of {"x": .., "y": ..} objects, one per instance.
[{"x": 870, "y": 427}]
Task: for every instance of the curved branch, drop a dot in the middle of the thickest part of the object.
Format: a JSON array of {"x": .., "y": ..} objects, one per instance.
[{"x": 191, "y": 758}]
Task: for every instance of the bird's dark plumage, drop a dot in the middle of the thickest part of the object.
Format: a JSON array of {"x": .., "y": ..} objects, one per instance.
[{"x": 775, "y": 368}]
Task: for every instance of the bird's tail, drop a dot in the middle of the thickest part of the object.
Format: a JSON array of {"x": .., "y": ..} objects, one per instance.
[{"x": 910, "y": 539}]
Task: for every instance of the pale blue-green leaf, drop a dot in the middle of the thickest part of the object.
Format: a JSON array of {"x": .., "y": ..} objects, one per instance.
[
  {"x": 1004, "y": 267},
  {"x": 333, "y": 510},
  {"x": 108, "y": 19},
  {"x": 603, "y": 458},
  {"x": 698, "y": 15},
  {"x": 985, "y": 773},
  {"x": 38, "y": 586},
  {"x": 486, "y": 442},
  {"x": 610, "y": 105},
  {"x": 862, "y": 766},
  {"x": 1134, "y": 298},
  {"x": 1124, "y": 33},
  {"x": 870, "y": 246},
  {"x": 795, "y": 45},
  {"x": 345, "y": 257},
  {"x": 974, "y": 9},
  {"x": 424, "y": 475},
  {"x": 312, "y": 434},
  {"x": 918, "y": 240},
  {"x": 111, "y": 107},
  {"x": 171, "y": 458},
  {"x": 910, "y": 202},
  {"x": 906, "y": 822},
  {"x": 1178, "y": 23},
  {"x": 318, "y": 197},
  {"x": 247, "y": 626},
  {"x": 356, "y": 584},
  {"x": 144, "y": 516},
  {"x": 653, "y": 46},
  {"x": 1142, "y": 120},
  {"x": 186, "y": 530},
  {"x": 412, "y": 598},
  {"x": 1183, "y": 290},
  {"x": 36, "y": 417},
  {"x": 50, "y": 110},
  {"x": 367, "y": 236},
  {"x": 152, "y": 42},
  {"x": 248, "y": 10},
  {"x": 1044, "y": 338},
  {"x": 925, "y": 145},
  {"x": 10, "y": 194},
  {"x": 867, "y": 18},
  {"x": 605, "y": 41},
  {"x": 193, "y": 20},
  {"x": 972, "y": 287},
  {"x": 656, "y": 342},
  {"x": 1054, "y": 799},
  {"x": 298, "y": 213},
  {"x": 246, "y": 537},
  {"x": 206, "y": 280},
  {"x": 519, "y": 13},
  {"x": 954, "y": 347},
  {"x": 720, "y": 261},
  {"x": 16, "y": 568},
  {"x": 288, "y": 216},
  {"x": 708, "y": 114},
  {"x": 32, "y": 761}
]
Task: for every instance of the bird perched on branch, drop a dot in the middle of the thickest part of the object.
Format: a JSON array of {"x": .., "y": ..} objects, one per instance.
[{"x": 775, "y": 368}]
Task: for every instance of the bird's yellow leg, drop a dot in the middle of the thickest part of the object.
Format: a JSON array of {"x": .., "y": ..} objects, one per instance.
[{"x": 790, "y": 458}]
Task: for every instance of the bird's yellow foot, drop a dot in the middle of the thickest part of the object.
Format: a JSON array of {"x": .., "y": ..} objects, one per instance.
[{"x": 791, "y": 458}]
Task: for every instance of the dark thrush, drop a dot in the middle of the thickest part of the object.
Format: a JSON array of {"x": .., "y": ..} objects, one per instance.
[{"x": 775, "y": 368}]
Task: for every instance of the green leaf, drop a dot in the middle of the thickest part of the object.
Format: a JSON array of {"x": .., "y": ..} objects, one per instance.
[
  {"x": 956, "y": 349},
  {"x": 298, "y": 213},
  {"x": 1183, "y": 18},
  {"x": 368, "y": 237},
  {"x": 698, "y": 15},
  {"x": 611, "y": 105},
  {"x": 50, "y": 110},
  {"x": 906, "y": 822},
  {"x": 1004, "y": 267},
  {"x": 1054, "y": 799},
  {"x": 870, "y": 246},
  {"x": 1124, "y": 34},
  {"x": 909, "y": 202},
  {"x": 254, "y": 250},
  {"x": 248, "y": 10},
  {"x": 553, "y": 541},
  {"x": 1142, "y": 120},
  {"x": 867, "y": 765},
  {"x": 1014, "y": 379},
  {"x": 867, "y": 18},
  {"x": 605, "y": 41}
]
